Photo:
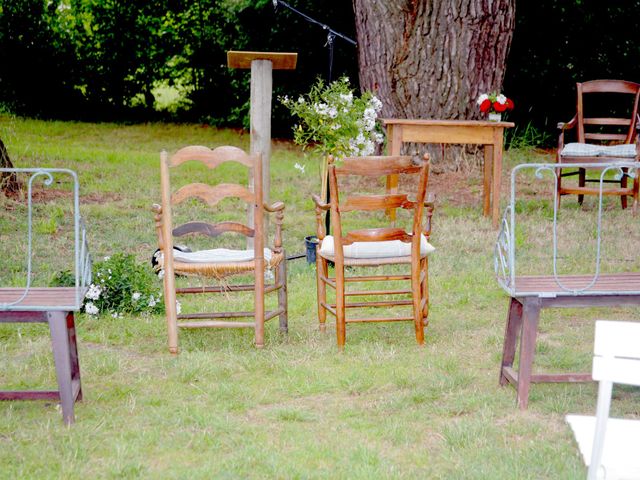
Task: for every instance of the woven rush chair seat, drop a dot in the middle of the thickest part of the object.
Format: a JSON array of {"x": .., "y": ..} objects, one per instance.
[{"x": 219, "y": 262}]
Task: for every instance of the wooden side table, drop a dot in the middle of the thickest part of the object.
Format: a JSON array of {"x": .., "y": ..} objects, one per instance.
[{"x": 488, "y": 134}]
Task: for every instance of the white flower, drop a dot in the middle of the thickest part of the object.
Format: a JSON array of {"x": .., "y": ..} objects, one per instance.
[
  {"x": 94, "y": 292},
  {"x": 152, "y": 301},
  {"x": 377, "y": 104},
  {"x": 368, "y": 148},
  {"x": 501, "y": 99},
  {"x": 116, "y": 315},
  {"x": 106, "y": 258},
  {"x": 321, "y": 109},
  {"x": 297, "y": 166},
  {"x": 178, "y": 307},
  {"x": 136, "y": 296},
  {"x": 347, "y": 98},
  {"x": 482, "y": 98},
  {"x": 91, "y": 309},
  {"x": 369, "y": 119},
  {"x": 301, "y": 99}
]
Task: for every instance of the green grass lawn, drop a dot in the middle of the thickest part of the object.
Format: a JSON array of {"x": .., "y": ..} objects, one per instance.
[{"x": 383, "y": 408}]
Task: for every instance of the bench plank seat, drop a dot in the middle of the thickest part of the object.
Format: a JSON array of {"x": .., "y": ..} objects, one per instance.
[
  {"x": 606, "y": 284},
  {"x": 41, "y": 298}
]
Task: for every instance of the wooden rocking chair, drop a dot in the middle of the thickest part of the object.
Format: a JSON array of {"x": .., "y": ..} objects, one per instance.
[
  {"x": 220, "y": 263},
  {"x": 374, "y": 247}
]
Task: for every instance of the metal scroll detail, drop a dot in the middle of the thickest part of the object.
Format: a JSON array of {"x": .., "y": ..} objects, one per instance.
[{"x": 501, "y": 254}]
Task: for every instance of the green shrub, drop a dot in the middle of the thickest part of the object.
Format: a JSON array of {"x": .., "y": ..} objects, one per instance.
[{"x": 120, "y": 285}]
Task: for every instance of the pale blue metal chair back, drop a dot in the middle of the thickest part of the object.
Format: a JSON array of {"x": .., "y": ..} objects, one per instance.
[
  {"x": 505, "y": 264},
  {"x": 81, "y": 257}
]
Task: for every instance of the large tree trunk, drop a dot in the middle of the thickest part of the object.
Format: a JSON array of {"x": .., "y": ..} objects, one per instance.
[
  {"x": 431, "y": 59},
  {"x": 8, "y": 181}
]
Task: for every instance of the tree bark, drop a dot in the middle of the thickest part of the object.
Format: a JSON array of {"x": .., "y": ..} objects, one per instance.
[
  {"x": 8, "y": 181},
  {"x": 431, "y": 59}
]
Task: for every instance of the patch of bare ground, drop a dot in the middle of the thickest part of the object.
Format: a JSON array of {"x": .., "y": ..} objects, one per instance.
[{"x": 46, "y": 195}]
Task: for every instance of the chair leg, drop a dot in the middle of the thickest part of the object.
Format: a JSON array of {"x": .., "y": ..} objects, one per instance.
[
  {"x": 73, "y": 352},
  {"x": 602, "y": 414},
  {"x": 424, "y": 294},
  {"x": 636, "y": 188},
  {"x": 582, "y": 176},
  {"x": 530, "y": 318},
  {"x": 416, "y": 288},
  {"x": 63, "y": 362},
  {"x": 171, "y": 311},
  {"x": 259, "y": 305},
  {"x": 623, "y": 184},
  {"x": 322, "y": 270},
  {"x": 281, "y": 280},
  {"x": 340, "y": 309},
  {"x": 558, "y": 188}
]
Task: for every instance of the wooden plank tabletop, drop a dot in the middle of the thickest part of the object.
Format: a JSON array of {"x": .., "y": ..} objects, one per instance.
[{"x": 445, "y": 123}]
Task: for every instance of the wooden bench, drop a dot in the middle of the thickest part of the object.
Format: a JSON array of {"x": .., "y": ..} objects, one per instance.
[
  {"x": 54, "y": 306},
  {"x": 530, "y": 294}
]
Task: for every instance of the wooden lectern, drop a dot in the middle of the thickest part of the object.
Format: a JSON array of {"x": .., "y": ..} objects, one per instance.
[{"x": 262, "y": 65}]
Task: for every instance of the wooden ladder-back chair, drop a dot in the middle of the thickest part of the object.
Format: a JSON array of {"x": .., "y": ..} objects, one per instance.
[
  {"x": 609, "y": 446},
  {"x": 219, "y": 263},
  {"x": 374, "y": 247},
  {"x": 601, "y": 139}
]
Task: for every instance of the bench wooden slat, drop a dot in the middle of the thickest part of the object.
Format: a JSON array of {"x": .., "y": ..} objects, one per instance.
[
  {"x": 40, "y": 297},
  {"x": 618, "y": 283}
]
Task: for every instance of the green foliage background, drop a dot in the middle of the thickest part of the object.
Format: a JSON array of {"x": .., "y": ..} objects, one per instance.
[{"x": 101, "y": 59}]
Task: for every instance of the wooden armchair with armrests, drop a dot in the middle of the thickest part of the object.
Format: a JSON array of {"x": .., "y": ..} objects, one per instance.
[
  {"x": 375, "y": 247},
  {"x": 601, "y": 139}
]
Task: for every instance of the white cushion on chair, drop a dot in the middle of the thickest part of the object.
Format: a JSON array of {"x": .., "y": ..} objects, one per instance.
[
  {"x": 389, "y": 248},
  {"x": 626, "y": 150},
  {"x": 218, "y": 255}
]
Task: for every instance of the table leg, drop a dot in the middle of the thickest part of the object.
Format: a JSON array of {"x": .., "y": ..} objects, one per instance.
[
  {"x": 497, "y": 175},
  {"x": 486, "y": 186}
]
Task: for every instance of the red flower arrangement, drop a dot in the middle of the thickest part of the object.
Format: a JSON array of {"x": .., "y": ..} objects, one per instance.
[{"x": 494, "y": 103}]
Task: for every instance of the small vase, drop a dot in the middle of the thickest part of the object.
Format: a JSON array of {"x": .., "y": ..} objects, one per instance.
[{"x": 495, "y": 117}]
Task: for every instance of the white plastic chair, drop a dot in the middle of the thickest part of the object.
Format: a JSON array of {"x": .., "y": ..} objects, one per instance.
[{"x": 610, "y": 447}]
